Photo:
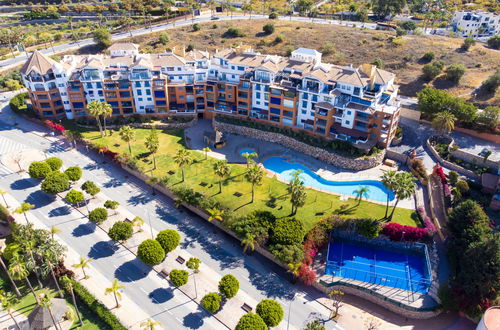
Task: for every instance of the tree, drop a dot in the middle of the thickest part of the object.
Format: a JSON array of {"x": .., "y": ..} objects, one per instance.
[
  {"x": 361, "y": 192},
  {"x": 432, "y": 101},
  {"x": 111, "y": 205},
  {"x": 68, "y": 285},
  {"x": 293, "y": 268},
  {"x": 248, "y": 243},
  {"x": 115, "y": 290},
  {"x": 270, "y": 311},
  {"x": 287, "y": 231},
  {"x": 55, "y": 183},
  {"x": 3, "y": 193},
  {"x": 25, "y": 207},
  {"x": 150, "y": 324},
  {"x": 494, "y": 42},
  {"x": 408, "y": 25},
  {"x": 405, "y": 188},
  {"x": 182, "y": 159},
  {"x": 127, "y": 134},
  {"x": 164, "y": 38},
  {"x": 369, "y": 228},
  {"x": 196, "y": 27},
  {"x": 90, "y": 188},
  {"x": 45, "y": 301},
  {"x": 102, "y": 38},
  {"x": 268, "y": 28},
  {"x": 211, "y": 302},
  {"x": 455, "y": 72},
  {"x": 74, "y": 173},
  {"x": 303, "y": 6},
  {"x": 389, "y": 182},
  {"x": 178, "y": 277},
  {"x": 95, "y": 109},
  {"x": 249, "y": 156},
  {"x": 297, "y": 192},
  {"x": 385, "y": 8},
  {"x": 39, "y": 170},
  {"x": 169, "y": 239},
  {"x": 121, "y": 231},
  {"x": 468, "y": 43},
  {"x": 206, "y": 150},
  {"x": 8, "y": 304},
  {"x": 150, "y": 252},
  {"x": 229, "y": 286},
  {"x": 84, "y": 263},
  {"x": 444, "y": 122},
  {"x": 138, "y": 222},
  {"x": 337, "y": 298},
  {"x": 194, "y": 264},
  {"x": 254, "y": 176},
  {"x": 98, "y": 215},
  {"x": 433, "y": 70},
  {"x": 18, "y": 271},
  {"x": 378, "y": 62},
  {"x": 215, "y": 214},
  {"x": 106, "y": 111},
  {"x": 54, "y": 230},
  {"x": 153, "y": 144},
  {"x": 5, "y": 269},
  {"x": 492, "y": 82},
  {"x": 315, "y": 325},
  {"x": 489, "y": 117},
  {"x": 251, "y": 321},
  {"x": 428, "y": 57},
  {"x": 74, "y": 197},
  {"x": 54, "y": 163},
  {"x": 222, "y": 170}
]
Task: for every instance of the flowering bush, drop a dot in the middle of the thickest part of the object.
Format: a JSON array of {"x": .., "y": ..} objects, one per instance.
[
  {"x": 53, "y": 126},
  {"x": 429, "y": 226},
  {"x": 306, "y": 274},
  {"x": 108, "y": 153},
  {"x": 440, "y": 173},
  {"x": 397, "y": 232},
  {"x": 421, "y": 212}
]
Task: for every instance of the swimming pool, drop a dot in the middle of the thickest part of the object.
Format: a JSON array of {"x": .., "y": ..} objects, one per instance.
[
  {"x": 284, "y": 168},
  {"x": 247, "y": 150},
  {"x": 383, "y": 267}
]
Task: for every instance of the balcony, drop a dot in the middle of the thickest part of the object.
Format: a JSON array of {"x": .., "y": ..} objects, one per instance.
[
  {"x": 386, "y": 121},
  {"x": 322, "y": 113},
  {"x": 261, "y": 80},
  {"x": 141, "y": 76}
]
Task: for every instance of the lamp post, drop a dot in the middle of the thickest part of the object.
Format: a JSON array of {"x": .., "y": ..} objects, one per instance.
[
  {"x": 289, "y": 310},
  {"x": 150, "y": 227}
]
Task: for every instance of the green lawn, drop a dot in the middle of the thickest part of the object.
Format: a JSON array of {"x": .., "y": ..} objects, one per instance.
[{"x": 200, "y": 177}]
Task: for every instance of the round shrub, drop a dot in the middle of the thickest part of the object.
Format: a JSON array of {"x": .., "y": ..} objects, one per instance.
[
  {"x": 112, "y": 205},
  {"x": 251, "y": 321},
  {"x": 74, "y": 197},
  {"x": 150, "y": 252},
  {"x": 211, "y": 302},
  {"x": 121, "y": 231},
  {"x": 270, "y": 311},
  {"x": 194, "y": 264},
  {"x": 268, "y": 28},
  {"x": 462, "y": 186},
  {"x": 287, "y": 231},
  {"x": 90, "y": 188},
  {"x": 54, "y": 163},
  {"x": 179, "y": 277},
  {"x": 98, "y": 215},
  {"x": 229, "y": 286},
  {"x": 74, "y": 173},
  {"x": 55, "y": 182},
  {"x": 169, "y": 239},
  {"x": 196, "y": 27},
  {"x": 39, "y": 170},
  {"x": 273, "y": 15}
]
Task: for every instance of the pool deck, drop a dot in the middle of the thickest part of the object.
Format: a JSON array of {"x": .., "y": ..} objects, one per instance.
[{"x": 235, "y": 143}]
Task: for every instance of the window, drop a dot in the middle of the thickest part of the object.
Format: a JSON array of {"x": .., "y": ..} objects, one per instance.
[
  {"x": 356, "y": 91},
  {"x": 257, "y": 87},
  {"x": 78, "y": 105},
  {"x": 149, "y": 99},
  {"x": 349, "y": 112},
  {"x": 139, "y": 92},
  {"x": 89, "y": 85},
  {"x": 347, "y": 122},
  {"x": 275, "y": 100},
  {"x": 98, "y": 85},
  {"x": 288, "y": 103},
  {"x": 159, "y": 93},
  {"x": 66, "y": 102},
  {"x": 315, "y": 98},
  {"x": 137, "y": 84},
  {"x": 147, "y": 84},
  {"x": 305, "y": 96},
  {"x": 140, "y": 99},
  {"x": 148, "y": 92},
  {"x": 124, "y": 94},
  {"x": 64, "y": 93},
  {"x": 276, "y": 111},
  {"x": 304, "y": 104},
  {"x": 257, "y": 95},
  {"x": 241, "y": 68},
  {"x": 161, "y": 102},
  {"x": 45, "y": 105},
  {"x": 60, "y": 85}
]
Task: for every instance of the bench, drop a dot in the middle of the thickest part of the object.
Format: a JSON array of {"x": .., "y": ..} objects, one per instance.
[
  {"x": 171, "y": 172},
  {"x": 128, "y": 220},
  {"x": 238, "y": 194},
  {"x": 246, "y": 308},
  {"x": 180, "y": 260},
  {"x": 164, "y": 273}
]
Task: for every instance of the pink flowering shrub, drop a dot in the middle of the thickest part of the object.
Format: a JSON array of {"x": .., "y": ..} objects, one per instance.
[
  {"x": 440, "y": 173},
  {"x": 429, "y": 226},
  {"x": 397, "y": 232},
  {"x": 53, "y": 126}
]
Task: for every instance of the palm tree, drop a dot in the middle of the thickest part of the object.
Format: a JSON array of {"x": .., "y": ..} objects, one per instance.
[
  {"x": 127, "y": 134},
  {"x": 45, "y": 301},
  {"x": 182, "y": 158},
  {"x": 3, "y": 192},
  {"x": 360, "y": 193},
  {"x": 107, "y": 111},
  {"x": 297, "y": 192},
  {"x": 69, "y": 287},
  {"x": 19, "y": 272},
  {"x": 222, "y": 170},
  {"x": 95, "y": 110},
  {"x": 115, "y": 290},
  {"x": 254, "y": 176},
  {"x": 405, "y": 188},
  {"x": 4, "y": 267},
  {"x": 444, "y": 122},
  {"x": 249, "y": 157},
  {"x": 153, "y": 144},
  {"x": 84, "y": 263},
  {"x": 54, "y": 230},
  {"x": 389, "y": 181},
  {"x": 294, "y": 269},
  {"x": 248, "y": 243},
  {"x": 215, "y": 214},
  {"x": 25, "y": 207},
  {"x": 150, "y": 324},
  {"x": 206, "y": 150},
  {"x": 138, "y": 222},
  {"x": 8, "y": 306}
]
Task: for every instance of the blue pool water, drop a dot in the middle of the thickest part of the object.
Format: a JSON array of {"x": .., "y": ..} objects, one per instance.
[
  {"x": 397, "y": 270},
  {"x": 249, "y": 150},
  {"x": 284, "y": 168}
]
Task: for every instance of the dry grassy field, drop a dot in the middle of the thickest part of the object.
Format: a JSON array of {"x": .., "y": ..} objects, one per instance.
[{"x": 350, "y": 45}]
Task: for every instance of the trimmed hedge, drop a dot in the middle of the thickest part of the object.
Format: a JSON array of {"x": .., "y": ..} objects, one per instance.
[
  {"x": 39, "y": 170},
  {"x": 94, "y": 305}
]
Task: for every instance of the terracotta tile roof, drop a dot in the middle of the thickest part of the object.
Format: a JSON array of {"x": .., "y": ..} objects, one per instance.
[
  {"x": 38, "y": 62},
  {"x": 168, "y": 59},
  {"x": 196, "y": 54},
  {"x": 123, "y": 46}
]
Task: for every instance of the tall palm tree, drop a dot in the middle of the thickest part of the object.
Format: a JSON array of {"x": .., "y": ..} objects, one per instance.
[
  {"x": 297, "y": 191},
  {"x": 153, "y": 144},
  {"x": 84, "y": 263},
  {"x": 127, "y": 134},
  {"x": 51, "y": 253},
  {"x": 248, "y": 243},
  {"x": 150, "y": 324},
  {"x": 215, "y": 214},
  {"x": 25, "y": 207},
  {"x": 54, "y": 230},
  {"x": 8, "y": 306},
  {"x": 405, "y": 188},
  {"x": 206, "y": 150},
  {"x": 19, "y": 272},
  {"x": 254, "y": 176},
  {"x": 361, "y": 192},
  {"x": 222, "y": 170},
  {"x": 115, "y": 290},
  {"x": 107, "y": 111},
  {"x": 69, "y": 287},
  {"x": 3, "y": 192},
  {"x": 45, "y": 301},
  {"x": 4, "y": 267},
  {"x": 389, "y": 181},
  {"x": 95, "y": 110},
  {"x": 444, "y": 122},
  {"x": 249, "y": 157},
  {"x": 182, "y": 158}
]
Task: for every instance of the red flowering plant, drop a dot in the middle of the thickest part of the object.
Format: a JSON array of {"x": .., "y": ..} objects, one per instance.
[
  {"x": 440, "y": 173},
  {"x": 397, "y": 232},
  {"x": 306, "y": 274}
]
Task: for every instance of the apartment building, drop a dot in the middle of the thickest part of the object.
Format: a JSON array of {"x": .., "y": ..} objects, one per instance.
[
  {"x": 359, "y": 105},
  {"x": 477, "y": 24}
]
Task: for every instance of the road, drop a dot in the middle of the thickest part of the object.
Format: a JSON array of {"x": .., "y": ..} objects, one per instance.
[
  {"x": 20, "y": 59},
  {"x": 258, "y": 277}
]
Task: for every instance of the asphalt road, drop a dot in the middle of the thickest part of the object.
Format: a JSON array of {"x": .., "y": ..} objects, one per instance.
[{"x": 258, "y": 276}]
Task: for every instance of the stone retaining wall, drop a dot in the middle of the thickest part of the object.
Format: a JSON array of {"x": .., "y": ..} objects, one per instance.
[
  {"x": 149, "y": 125},
  {"x": 318, "y": 153},
  {"x": 419, "y": 315}
]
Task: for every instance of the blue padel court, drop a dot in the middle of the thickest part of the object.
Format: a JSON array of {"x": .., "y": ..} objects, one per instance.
[{"x": 377, "y": 266}]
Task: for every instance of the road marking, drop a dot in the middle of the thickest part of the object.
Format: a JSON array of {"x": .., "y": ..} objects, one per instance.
[
  {"x": 130, "y": 279},
  {"x": 143, "y": 291}
]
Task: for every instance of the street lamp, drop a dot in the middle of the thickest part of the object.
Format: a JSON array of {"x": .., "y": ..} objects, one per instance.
[
  {"x": 150, "y": 227},
  {"x": 290, "y": 308}
]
